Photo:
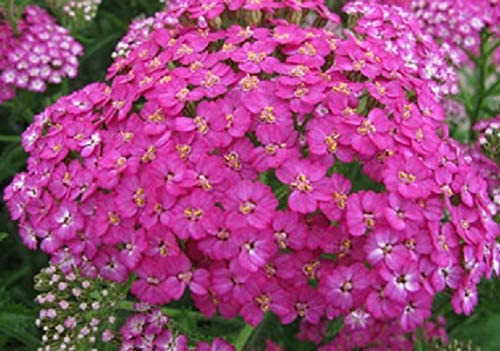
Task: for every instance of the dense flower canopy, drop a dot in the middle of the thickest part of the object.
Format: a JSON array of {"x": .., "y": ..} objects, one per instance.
[{"x": 217, "y": 159}]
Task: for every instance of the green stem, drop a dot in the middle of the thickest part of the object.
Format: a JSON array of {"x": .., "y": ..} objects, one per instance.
[
  {"x": 12, "y": 16},
  {"x": 492, "y": 88},
  {"x": 242, "y": 340},
  {"x": 10, "y": 138}
]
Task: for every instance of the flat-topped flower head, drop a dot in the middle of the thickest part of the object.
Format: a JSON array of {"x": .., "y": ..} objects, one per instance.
[{"x": 262, "y": 159}]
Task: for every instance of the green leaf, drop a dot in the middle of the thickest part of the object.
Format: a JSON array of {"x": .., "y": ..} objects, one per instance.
[
  {"x": 333, "y": 328},
  {"x": 17, "y": 321},
  {"x": 13, "y": 159},
  {"x": 3, "y": 235}
]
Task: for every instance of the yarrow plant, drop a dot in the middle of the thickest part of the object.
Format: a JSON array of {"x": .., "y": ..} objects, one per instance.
[
  {"x": 262, "y": 159},
  {"x": 35, "y": 52}
]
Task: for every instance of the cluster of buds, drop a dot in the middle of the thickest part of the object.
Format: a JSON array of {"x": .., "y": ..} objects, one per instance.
[
  {"x": 76, "y": 313},
  {"x": 486, "y": 154},
  {"x": 37, "y": 52},
  {"x": 454, "y": 345},
  {"x": 489, "y": 139},
  {"x": 79, "y": 12}
]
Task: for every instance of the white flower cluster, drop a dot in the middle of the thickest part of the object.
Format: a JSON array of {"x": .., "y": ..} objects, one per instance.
[
  {"x": 79, "y": 11},
  {"x": 76, "y": 313}
]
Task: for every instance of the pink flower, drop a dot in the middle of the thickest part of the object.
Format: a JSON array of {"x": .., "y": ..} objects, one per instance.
[
  {"x": 289, "y": 231},
  {"x": 384, "y": 245},
  {"x": 417, "y": 309},
  {"x": 366, "y": 135},
  {"x": 189, "y": 214},
  {"x": 363, "y": 212},
  {"x": 305, "y": 181},
  {"x": 343, "y": 286},
  {"x": 256, "y": 57},
  {"x": 151, "y": 286},
  {"x": 217, "y": 345},
  {"x": 221, "y": 241},
  {"x": 250, "y": 202},
  {"x": 409, "y": 176},
  {"x": 401, "y": 281},
  {"x": 339, "y": 188},
  {"x": 255, "y": 248}
]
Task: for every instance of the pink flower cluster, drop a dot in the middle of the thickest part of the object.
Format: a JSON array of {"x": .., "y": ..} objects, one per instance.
[
  {"x": 139, "y": 31},
  {"x": 402, "y": 34},
  {"x": 149, "y": 331},
  {"x": 211, "y": 163},
  {"x": 457, "y": 24},
  {"x": 387, "y": 336},
  {"x": 40, "y": 52}
]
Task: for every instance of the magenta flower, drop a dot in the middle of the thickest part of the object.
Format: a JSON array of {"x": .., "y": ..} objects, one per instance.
[
  {"x": 408, "y": 176},
  {"x": 379, "y": 304},
  {"x": 324, "y": 138},
  {"x": 255, "y": 248},
  {"x": 401, "y": 212},
  {"x": 449, "y": 276},
  {"x": 339, "y": 188},
  {"x": 251, "y": 203},
  {"x": 306, "y": 181},
  {"x": 174, "y": 173},
  {"x": 305, "y": 303},
  {"x": 384, "y": 245},
  {"x": 132, "y": 196},
  {"x": 366, "y": 135},
  {"x": 189, "y": 214},
  {"x": 417, "y": 309},
  {"x": 278, "y": 145},
  {"x": 256, "y": 57},
  {"x": 221, "y": 242},
  {"x": 237, "y": 117},
  {"x": 343, "y": 286},
  {"x": 208, "y": 123},
  {"x": 464, "y": 299},
  {"x": 217, "y": 345},
  {"x": 401, "y": 281},
  {"x": 178, "y": 275},
  {"x": 289, "y": 230},
  {"x": 68, "y": 221},
  {"x": 363, "y": 212},
  {"x": 151, "y": 286},
  {"x": 167, "y": 341},
  {"x": 264, "y": 298},
  {"x": 212, "y": 82},
  {"x": 109, "y": 265}
]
